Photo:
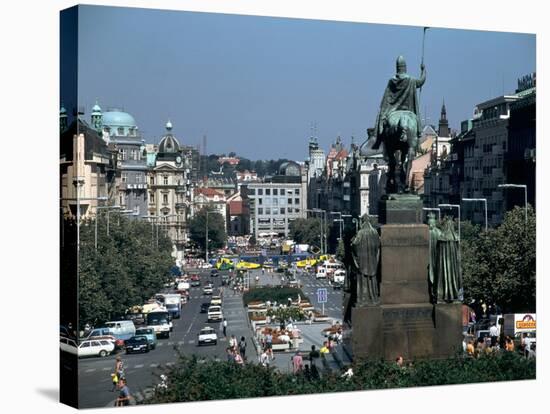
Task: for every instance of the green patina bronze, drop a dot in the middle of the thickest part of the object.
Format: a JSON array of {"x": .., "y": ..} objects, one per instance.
[
  {"x": 398, "y": 125},
  {"x": 365, "y": 249},
  {"x": 447, "y": 274}
]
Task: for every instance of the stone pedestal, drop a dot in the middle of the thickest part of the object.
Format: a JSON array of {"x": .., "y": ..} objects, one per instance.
[{"x": 405, "y": 322}]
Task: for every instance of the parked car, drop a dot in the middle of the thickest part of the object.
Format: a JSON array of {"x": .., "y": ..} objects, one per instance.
[
  {"x": 207, "y": 290},
  {"x": 137, "y": 344},
  {"x": 207, "y": 335},
  {"x": 214, "y": 313},
  {"x": 150, "y": 334},
  {"x": 204, "y": 307},
  {"x": 100, "y": 347}
]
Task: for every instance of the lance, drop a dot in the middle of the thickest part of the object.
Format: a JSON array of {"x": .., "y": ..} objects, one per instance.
[{"x": 422, "y": 59}]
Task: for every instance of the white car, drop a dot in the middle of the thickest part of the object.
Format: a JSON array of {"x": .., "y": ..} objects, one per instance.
[
  {"x": 216, "y": 300},
  {"x": 207, "y": 335},
  {"x": 99, "y": 347},
  {"x": 215, "y": 313},
  {"x": 207, "y": 290},
  {"x": 68, "y": 345}
]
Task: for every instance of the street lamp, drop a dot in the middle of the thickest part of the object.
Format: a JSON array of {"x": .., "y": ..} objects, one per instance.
[
  {"x": 525, "y": 192},
  {"x": 97, "y": 217},
  {"x": 206, "y": 243},
  {"x": 457, "y": 206},
  {"x": 356, "y": 221},
  {"x": 340, "y": 220},
  {"x": 433, "y": 209},
  {"x": 323, "y": 236},
  {"x": 324, "y": 218},
  {"x": 484, "y": 200}
]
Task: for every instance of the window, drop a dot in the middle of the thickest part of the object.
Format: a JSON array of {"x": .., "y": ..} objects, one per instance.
[
  {"x": 275, "y": 201},
  {"x": 282, "y": 201},
  {"x": 275, "y": 211},
  {"x": 260, "y": 211},
  {"x": 165, "y": 198},
  {"x": 289, "y": 201},
  {"x": 124, "y": 177},
  {"x": 152, "y": 180},
  {"x": 275, "y": 191},
  {"x": 297, "y": 191},
  {"x": 123, "y": 154},
  {"x": 85, "y": 345},
  {"x": 120, "y": 131},
  {"x": 165, "y": 180},
  {"x": 251, "y": 191},
  {"x": 267, "y": 191},
  {"x": 260, "y": 200},
  {"x": 282, "y": 210},
  {"x": 260, "y": 191},
  {"x": 152, "y": 198},
  {"x": 282, "y": 191},
  {"x": 268, "y": 211},
  {"x": 138, "y": 178},
  {"x": 296, "y": 201}
]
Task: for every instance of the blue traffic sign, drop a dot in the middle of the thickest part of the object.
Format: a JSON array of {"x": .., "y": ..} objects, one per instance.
[{"x": 321, "y": 295}]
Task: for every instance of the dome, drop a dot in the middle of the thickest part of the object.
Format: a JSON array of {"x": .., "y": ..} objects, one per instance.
[
  {"x": 169, "y": 125},
  {"x": 96, "y": 108},
  {"x": 289, "y": 168},
  {"x": 168, "y": 144},
  {"x": 117, "y": 118}
]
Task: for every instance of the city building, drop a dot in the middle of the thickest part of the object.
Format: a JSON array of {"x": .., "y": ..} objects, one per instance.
[
  {"x": 171, "y": 189},
  {"x": 519, "y": 160},
  {"x": 238, "y": 216},
  {"x": 277, "y": 200},
  {"x": 212, "y": 198},
  {"x": 120, "y": 132},
  {"x": 87, "y": 169}
]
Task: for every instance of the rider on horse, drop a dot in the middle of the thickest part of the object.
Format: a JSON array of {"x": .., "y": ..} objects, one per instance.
[{"x": 400, "y": 95}]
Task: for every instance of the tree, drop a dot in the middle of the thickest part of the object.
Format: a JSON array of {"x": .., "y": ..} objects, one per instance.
[
  {"x": 128, "y": 267},
  {"x": 216, "y": 229},
  {"x": 500, "y": 265},
  {"x": 306, "y": 231}
]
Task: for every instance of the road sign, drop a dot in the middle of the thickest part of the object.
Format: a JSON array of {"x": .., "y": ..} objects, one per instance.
[{"x": 321, "y": 295}]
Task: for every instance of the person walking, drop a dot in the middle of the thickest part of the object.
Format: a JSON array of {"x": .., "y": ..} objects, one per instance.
[
  {"x": 114, "y": 378},
  {"x": 124, "y": 394},
  {"x": 242, "y": 347},
  {"x": 493, "y": 332},
  {"x": 297, "y": 362},
  {"x": 224, "y": 325},
  {"x": 119, "y": 368},
  {"x": 264, "y": 359}
]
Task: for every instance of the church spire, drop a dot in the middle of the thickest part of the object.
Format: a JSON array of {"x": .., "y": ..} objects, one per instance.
[{"x": 443, "y": 130}]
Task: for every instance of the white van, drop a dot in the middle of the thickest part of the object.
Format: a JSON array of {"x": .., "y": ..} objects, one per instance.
[
  {"x": 321, "y": 273},
  {"x": 121, "y": 329}
]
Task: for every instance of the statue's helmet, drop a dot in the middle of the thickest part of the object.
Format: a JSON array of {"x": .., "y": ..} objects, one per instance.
[{"x": 400, "y": 64}]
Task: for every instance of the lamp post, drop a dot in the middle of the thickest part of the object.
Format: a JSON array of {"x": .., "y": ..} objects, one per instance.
[
  {"x": 340, "y": 220},
  {"x": 525, "y": 192},
  {"x": 356, "y": 221},
  {"x": 97, "y": 217},
  {"x": 324, "y": 218},
  {"x": 484, "y": 200},
  {"x": 206, "y": 242},
  {"x": 433, "y": 209},
  {"x": 457, "y": 206}
]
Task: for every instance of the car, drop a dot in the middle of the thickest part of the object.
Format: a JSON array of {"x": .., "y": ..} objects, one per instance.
[
  {"x": 137, "y": 317},
  {"x": 207, "y": 290},
  {"x": 138, "y": 343},
  {"x": 216, "y": 300},
  {"x": 214, "y": 273},
  {"x": 225, "y": 280},
  {"x": 150, "y": 334},
  {"x": 100, "y": 347},
  {"x": 204, "y": 307},
  {"x": 195, "y": 281},
  {"x": 207, "y": 335},
  {"x": 101, "y": 333},
  {"x": 68, "y": 345},
  {"x": 214, "y": 313}
]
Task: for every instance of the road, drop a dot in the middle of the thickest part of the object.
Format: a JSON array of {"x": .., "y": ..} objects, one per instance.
[{"x": 95, "y": 373}]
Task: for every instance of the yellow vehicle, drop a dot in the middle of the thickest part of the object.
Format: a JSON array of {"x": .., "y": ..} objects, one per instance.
[
  {"x": 224, "y": 264},
  {"x": 248, "y": 265},
  {"x": 306, "y": 263}
]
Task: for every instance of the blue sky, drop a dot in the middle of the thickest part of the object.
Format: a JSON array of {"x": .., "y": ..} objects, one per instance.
[{"x": 254, "y": 85}]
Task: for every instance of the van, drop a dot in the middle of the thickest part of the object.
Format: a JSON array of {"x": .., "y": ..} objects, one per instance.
[
  {"x": 121, "y": 329},
  {"x": 321, "y": 273}
]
